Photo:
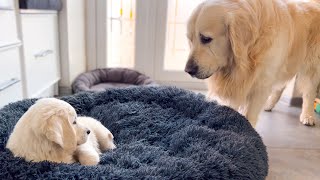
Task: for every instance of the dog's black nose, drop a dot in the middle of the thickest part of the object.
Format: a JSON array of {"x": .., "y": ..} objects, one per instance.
[
  {"x": 88, "y": 132},
  {"x": 191, "y": 68}
]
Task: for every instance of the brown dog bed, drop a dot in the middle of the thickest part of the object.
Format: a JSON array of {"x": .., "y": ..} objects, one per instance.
[{"x": 106, "y": 78}]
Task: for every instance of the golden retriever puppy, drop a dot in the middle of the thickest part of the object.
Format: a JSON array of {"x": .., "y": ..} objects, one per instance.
[
  {"x": 247, "y": 49},
  {"x": 100, "y": 140},
  {"x": 48, "y": 131}
]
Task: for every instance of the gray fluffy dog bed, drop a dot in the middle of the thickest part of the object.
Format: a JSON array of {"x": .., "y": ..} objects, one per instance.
[
  {"x": 160, "y": 132},
  {"x": 108, "y": 78}
]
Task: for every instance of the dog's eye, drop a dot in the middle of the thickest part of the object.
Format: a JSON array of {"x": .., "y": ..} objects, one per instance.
[
  {"x": 204, "y": 39},
  {"x": 74, "y": 122}
]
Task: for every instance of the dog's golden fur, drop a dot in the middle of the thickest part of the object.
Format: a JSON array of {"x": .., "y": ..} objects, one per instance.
[
  {"x": 257, "y": 47},
  {"x": 50, "y": 131}
]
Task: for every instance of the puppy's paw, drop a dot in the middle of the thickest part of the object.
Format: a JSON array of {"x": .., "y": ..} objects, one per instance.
[
  {"x": 89, "y": 159},
  {"x": 107, "y": 143},
  {"x": 87, "y": 155},
  {"x": 307, "y": 120},
  {"x": 112, "y": 145}
]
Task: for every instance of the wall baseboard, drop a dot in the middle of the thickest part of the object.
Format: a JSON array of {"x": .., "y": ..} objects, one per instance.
[
  {"x": 64, "y": 91},
  {"x": 296, "y": 102}
]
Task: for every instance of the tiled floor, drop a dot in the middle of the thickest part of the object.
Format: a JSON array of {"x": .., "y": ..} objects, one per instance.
[{"x": 293, "y": 149}]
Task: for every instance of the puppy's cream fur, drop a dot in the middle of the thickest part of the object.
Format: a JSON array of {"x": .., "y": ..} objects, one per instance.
[
  {"x": 50, "y": 130},
  {"x": 258, "y": 46},
  {"x": 46, "y": 132},
  {"x": 100, "y": 139}
]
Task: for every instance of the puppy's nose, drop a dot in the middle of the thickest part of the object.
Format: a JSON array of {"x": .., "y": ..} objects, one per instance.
[
  {"x": 191, "y": 68},
  {"x": 88, "y": 132}
]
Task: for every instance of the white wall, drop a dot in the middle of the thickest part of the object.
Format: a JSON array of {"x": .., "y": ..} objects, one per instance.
[
  {"x": 72, "y": 41},
  {"x": 96, "y": 37}
]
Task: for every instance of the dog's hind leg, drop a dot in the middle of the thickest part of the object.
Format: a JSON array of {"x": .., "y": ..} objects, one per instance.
[
  {"x": 273, "y": 98},
  {"x": 104, "y": 137}
]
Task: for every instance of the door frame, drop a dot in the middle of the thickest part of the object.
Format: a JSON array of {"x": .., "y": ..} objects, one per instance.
[
  {"x": 150, "y": 35},
  {"x": 96, "y": 34},
  {"x": 166, "y": 76}
]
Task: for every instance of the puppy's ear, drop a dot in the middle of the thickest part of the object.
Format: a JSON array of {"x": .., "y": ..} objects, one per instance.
[
  {"x": 242, "y": 30},
  {"x": 54, "y": 131},
  {"x": 60, "y": 130}
]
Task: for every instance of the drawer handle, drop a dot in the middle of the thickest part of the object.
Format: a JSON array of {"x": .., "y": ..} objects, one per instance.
[
  {"x": 8, "y": 83},
  {"x": 8, "y": 45},
  {"x": 43, "y": 53},
  {"x": 6, "y": 8}
]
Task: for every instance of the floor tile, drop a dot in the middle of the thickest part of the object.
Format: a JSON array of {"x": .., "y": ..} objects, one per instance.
[
  {"x": 291, "y": 164},
  {"x": 281, "y": 128}
]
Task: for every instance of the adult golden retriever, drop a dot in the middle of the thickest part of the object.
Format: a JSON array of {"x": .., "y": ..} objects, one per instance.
[{"x": 249, "y": 49}]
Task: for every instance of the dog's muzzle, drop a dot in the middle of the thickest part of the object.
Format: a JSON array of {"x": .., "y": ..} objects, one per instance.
[{"x": 191, "y": 68}]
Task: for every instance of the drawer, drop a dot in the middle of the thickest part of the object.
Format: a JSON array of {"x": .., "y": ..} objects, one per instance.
[
  {"x": 6, "y": 5},
  {"x": 10, "y": 65},
  {"x": 41, "y": 51},
  {"x": 8, "y": 26},
  {"x": 10, "y": 93}
]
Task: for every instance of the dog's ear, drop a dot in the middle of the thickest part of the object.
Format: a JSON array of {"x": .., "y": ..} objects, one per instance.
[
  {"x": 60, "y": 130},
  {"x": 242, "y": 30},
  {"x": 54, "y": 131}
]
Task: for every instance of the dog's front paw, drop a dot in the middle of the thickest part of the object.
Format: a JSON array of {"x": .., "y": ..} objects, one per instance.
[
  {"x": 307, "y": 120},
  {"x": 269, "y": 106},
  {"x": 89, "y": 159}
]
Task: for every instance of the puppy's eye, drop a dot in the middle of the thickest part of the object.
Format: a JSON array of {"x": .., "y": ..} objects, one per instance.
[
  {"x": 204, "y": 39},
  {"x": 74, "y": 122}
]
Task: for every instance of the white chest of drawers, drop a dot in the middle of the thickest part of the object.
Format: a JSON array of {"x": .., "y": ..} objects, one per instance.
[
  {"x": 33, "y": 69},
  {"x": 10, "y": 69},
  {"x": 10, "y": 76},
  {"x": 40, "y": 52}
]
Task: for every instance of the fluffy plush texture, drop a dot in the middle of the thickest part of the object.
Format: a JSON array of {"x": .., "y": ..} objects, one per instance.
[{"x": 160, "y": 133}]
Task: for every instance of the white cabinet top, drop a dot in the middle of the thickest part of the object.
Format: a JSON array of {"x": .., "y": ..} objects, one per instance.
[
  {"x": 6, "y": 5},
  {"x": 37, "y": 11}
]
